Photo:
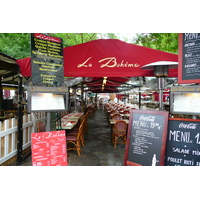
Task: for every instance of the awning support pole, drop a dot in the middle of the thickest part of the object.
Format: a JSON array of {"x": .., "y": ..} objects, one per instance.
[{"x": 20, "y": 121}]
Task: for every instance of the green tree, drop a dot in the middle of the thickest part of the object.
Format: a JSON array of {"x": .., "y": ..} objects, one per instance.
[
  {"x": 16, "y": 45},
  {"x": 161, "y": 41}
]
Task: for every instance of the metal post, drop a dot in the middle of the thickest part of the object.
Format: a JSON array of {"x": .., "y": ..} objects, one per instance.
[
  {"x": 75, "y": 108},
  {"x": 82, "y": 102},
  {"x": 48, "y": 125},
  {"x": 20, "y": 116},
  {"x": 161, "y": 86},
  {"x": 139, "y": 99}
]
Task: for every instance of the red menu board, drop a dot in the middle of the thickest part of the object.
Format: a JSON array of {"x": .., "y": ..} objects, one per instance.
[{"x": 49, "y": 148}]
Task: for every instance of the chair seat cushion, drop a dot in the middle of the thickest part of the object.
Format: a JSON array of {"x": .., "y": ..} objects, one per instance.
[
  {"x": 71, "y": 137},
  {"x": 72, "y": 134}
]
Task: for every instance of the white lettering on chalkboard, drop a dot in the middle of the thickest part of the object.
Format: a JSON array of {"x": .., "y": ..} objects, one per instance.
[
  {"x": 174, "y": 160},
  {"x": 196, "y": 152},
  {"x": 197, "y": 137},
  {"x": 188, "y": 162},
  {"x": 191, "y": 65},
  {"x": 191, "y": 36},
  {"x": 190, "y": 44},
  {"x": 149, "y": 118},
  {"x": 188, "y": 126},
  {"x": 179, "y": 136},
  {"x": 197, "y": 163},
  {"x": 179, "y": 150}
]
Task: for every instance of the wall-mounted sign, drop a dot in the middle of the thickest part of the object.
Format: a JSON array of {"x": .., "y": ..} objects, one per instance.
[
  {"x": 46, "y": 60},
  {"x": 183, "y": 142},
  {"x": 49, "y": 148},
  {"x": 185, "y": 100},
  {"x": 189, "y": 58},
  {"x": 146, "y": 139}
]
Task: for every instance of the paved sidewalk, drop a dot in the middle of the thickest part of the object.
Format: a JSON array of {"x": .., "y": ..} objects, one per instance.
[{"x": 98, "y": 150}]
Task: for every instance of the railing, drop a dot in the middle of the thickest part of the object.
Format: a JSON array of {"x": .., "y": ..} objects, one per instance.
[{"x": 8, "y": 134}]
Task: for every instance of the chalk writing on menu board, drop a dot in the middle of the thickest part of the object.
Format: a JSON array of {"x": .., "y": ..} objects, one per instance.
[
  {"x": 183, "y": 143},
  {"x": 46, "y": 60},
  {"x": 191, "y": 56},
  {"x": 146, "y": 138},
  {"x": 49, "y": 148}
]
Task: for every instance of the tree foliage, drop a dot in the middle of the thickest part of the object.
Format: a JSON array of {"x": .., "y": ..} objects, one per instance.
[
  {"x": 17, "y": 45},
  {"x": 161, "y": 41}
]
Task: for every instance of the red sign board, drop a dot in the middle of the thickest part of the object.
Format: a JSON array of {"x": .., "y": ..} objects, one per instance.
[{"x": 49, "y": 149}]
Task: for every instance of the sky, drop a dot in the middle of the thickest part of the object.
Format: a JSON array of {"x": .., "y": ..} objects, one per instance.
[{"x": 128, "y": 36}]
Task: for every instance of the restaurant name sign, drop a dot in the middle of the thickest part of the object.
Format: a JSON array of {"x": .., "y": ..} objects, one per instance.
[
  {"x": 46, "y": 60},
  {"x": 110, "y": 62}
]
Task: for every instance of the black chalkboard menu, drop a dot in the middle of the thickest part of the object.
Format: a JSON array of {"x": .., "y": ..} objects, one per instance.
[
  {"x": 146, "y": 138},
  {"x": 189, "y": 58},
  {"x": 183, "y": 142},
  {"x": 46, "y": 60}
]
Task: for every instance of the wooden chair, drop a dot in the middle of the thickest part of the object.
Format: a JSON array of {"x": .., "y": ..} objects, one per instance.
[
  {"x": 73, "y": 140},
  {"x": 116, "y": 116},
  {"x": 119, "y": 131},
  {"x": 126, "y": 112},
  {"x": 86, "y": 122},
  {"x": 90, "y": 110},
  {"x": 41, "y": 127}
]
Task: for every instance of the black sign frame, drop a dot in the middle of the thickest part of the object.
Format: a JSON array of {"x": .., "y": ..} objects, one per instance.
[
  {"x": 47, "y": 63},
  {"x": 189, "y": 58},
  {"x": 150, "y": 123},
  {"x": 181, "y": 149}
]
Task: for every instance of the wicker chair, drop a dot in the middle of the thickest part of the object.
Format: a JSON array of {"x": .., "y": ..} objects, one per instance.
[
  {"x": 41, "y": 127},
  {"x": 74, "y": 139},
  {"x": 116, "y": 116},
  {"x": 120, "y": 131}
]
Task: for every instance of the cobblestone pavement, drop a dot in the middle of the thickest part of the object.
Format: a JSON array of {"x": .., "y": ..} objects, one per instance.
[{"x": 98, "y": 150}]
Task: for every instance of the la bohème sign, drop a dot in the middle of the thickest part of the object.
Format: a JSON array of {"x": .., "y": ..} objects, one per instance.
[{"x": 112, "y": 58}]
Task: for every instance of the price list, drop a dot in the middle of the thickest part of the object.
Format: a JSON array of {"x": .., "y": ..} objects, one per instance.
[
  {"x": 183, "y": 143},
  {"x": 146, "y": 137},
  {"x": 49, "y": 149},
  {"x": 46, "y": 60},
  {"x": 191, "y": 56}
]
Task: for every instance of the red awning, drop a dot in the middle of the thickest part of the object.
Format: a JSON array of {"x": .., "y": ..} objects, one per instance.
[{"x": 107, "y": 58}]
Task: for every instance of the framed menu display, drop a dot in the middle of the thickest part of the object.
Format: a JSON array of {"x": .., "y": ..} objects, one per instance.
[
  {"x": 49, "y": 148},
  {"x": 189, "y": 58},
  {"x": 41, "y": 99},
  {"x": 146, "y": 138},
  {"x": 185, "y": 100},
  {"x": 183, "y": 142}
]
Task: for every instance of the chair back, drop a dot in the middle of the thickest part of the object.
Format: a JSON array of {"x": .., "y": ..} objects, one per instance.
[
  {"x": 126, "y": 112},
  {"x": 120, "y": 127},
  {"x": 41, "y": 127},
  {"x": 81, "y": 129},
  {"x": 116, "y": 116},
  {"x": 114, "y": 112}
]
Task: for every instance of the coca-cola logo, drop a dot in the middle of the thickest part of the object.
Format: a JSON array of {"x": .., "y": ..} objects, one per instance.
[{"x": 187, "y": 126}]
